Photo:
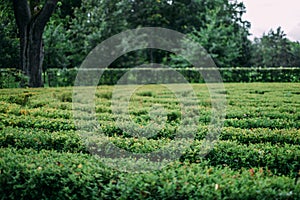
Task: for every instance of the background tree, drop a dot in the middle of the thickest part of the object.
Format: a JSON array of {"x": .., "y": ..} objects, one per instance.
[
  {"x": 56, "y": 45},
  {"x": 273, "y": 50},
  {"x": 56, "y": 37},
  {"x": 295, "y": 47},
  {"x": 94, "y": 21},
  {"x": 224, "y": 34},
  {"x": 31, "y": 18},
  {"x": 9, "y": 42},
  {"x": 217, "y": 25},
  {"x": 77, "y": 26}
]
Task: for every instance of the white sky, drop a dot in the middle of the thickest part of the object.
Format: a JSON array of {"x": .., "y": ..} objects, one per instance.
[{"x": 267, "y": 14}]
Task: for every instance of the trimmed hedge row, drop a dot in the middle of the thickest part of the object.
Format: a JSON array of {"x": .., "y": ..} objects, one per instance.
[
  {"x": 69, "y": 140},
  {"x": 66, "y": 77},
  {"x": 191, "y": 181},
  {"x": 38, "y": 139},
  {"x": 257, "y": 157},
  {"x": 261, "y": 135},
  {"x": 27, "y": 174},
  {"x": 280, "y": 158},
  {"x": 262, "y": 122},
  {"x": 244, "y": 131},
  {"x": 39, "y": 122},
  {"x": 11, "y": 78}
]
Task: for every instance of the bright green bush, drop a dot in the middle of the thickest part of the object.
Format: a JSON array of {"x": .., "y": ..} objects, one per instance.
[
  {"x": 38, "y": 139},
  {"x": 181, "y": 181},
  {"x": 281, "y": 159},
  {"x": 261, "y": 135},
  {"x": 257, "y": 155},
  {"x": 39, "y": 122},
  {"x": 28, "y": 174}
]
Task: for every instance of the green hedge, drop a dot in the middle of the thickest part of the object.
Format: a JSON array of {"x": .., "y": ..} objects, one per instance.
[
  {"x": 11, "y": 78},
  {"x": 38, "y": 139},
  {"x": 191, "y": 181},
  {"x": 66, "y": 77},
  {"x": 70, "y": 140},
  {"x": 280, "y": 158},
  {"x": 261, "y": 135},
  {"x": 263, "y": 122},
  {"x": 49, "y": 124},
  {"x": 27, "y": 174},
  {"x": 258, "y": 155}
]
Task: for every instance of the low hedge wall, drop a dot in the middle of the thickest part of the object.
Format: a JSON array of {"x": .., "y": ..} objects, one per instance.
[
  {"x": 10, "y": 78},
  {"x": 282, "y": 159},
  {"x": 28, "y": 174},
  {"x": 66, "y": 77}
]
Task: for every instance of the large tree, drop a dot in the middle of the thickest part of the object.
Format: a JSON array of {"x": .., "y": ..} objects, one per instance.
[
  {"x": 31, "y": 18},
  {"x": 222, "y": 33},
  {"x": 215, "y": 24},
  {"x": 273, "y": 50}
]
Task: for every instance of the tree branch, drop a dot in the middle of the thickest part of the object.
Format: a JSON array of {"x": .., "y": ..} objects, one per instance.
[
  {"x": 44, "y": 15},
  {"x": 22, "y": 13}
]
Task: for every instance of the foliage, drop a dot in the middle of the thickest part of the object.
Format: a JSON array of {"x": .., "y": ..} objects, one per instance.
[
  {"x": 39, "y": 139},
  {"x": 48, "y": 174},
  {"x": 11, "y": 78},
  {"x": 79, "y": 176},
  {"x": 53, "y": 77},
  {"x": 57, "y": 45},
  {"x": 274, "y": 50},
  {"x": 40, "y": 147},
  {"x": 9, "y": 42},
  {"x": 223, "y": 35},
  {"x": 295, "y": 50},
  {"x": 66, "y": 77},
  {"x": 209, "y": 22},
  {"x": 78, "y": 26},
  {"x": 256, "y": 157}
]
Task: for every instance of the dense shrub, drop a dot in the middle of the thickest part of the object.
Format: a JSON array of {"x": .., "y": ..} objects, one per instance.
[
  {"x": 12, "y": 78},
  {"x": 256, "y": 157},
  {"x": 27, "y": 174},
  {"x": 38, "y": 139},
  {"x": 66, "y": 77}
]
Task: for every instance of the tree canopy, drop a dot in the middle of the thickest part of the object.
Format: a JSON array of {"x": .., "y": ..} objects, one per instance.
[
  {"x": 76, "y": 27},
  {"x": 275, "y": 50}
]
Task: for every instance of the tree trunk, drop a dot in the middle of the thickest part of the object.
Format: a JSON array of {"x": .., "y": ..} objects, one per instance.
[{"x": 31, "y": 28}]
